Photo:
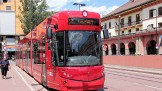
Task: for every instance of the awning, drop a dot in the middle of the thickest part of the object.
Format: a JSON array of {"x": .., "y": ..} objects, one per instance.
[{"x": 9, "y": 49}]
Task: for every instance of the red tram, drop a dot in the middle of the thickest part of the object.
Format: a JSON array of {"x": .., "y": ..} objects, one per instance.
[{"x": 64, "y": 52}]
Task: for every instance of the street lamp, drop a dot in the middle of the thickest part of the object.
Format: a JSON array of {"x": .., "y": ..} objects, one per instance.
[
  {"x": 157, "y": 45},
  {"x": 79, "y": 4}
]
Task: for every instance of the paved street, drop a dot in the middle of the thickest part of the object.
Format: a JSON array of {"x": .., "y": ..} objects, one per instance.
[{"x": 123, "y": 80}]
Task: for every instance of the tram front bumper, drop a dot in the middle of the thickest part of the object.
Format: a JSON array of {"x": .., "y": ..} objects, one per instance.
[{"x": 73, "y": 85}]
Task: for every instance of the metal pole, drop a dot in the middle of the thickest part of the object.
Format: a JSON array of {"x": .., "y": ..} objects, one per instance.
[
  {"x": 119, "y": 35},
  {"x": 157, "y": 45},
  {"x": 79, "y": 7}
]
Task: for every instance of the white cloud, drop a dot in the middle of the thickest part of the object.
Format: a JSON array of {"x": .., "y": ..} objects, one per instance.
[
  {"x": 78, "y": 1},
  {"x": 102, "y": 10},
  {"x": 57, "y": 5}
]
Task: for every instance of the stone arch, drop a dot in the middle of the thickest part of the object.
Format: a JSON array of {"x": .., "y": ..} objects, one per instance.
[
  {"x": 113, "y": 49},
  {"x": 132, "y": 48},
  {"x": 151, "y": 47},
  {"x": 122, "y": 49}
]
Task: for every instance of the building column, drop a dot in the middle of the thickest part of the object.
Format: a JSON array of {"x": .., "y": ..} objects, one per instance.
[
  {"x": 110, "y": 52},
  {"x": 160, "y": 46},
  {"x": 139, "y": 47},
  {"x": 103, "y": 53},
  {"x": 126, "y": 49}
]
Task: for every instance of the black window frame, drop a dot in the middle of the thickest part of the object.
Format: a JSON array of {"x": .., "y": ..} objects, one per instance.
[
  {"x": 137, "y": 18},
  {"x": 129, "y": 20},
  {"x": 122, "y": 22},
  {"x": 109, "y": 25},
  {"x": 159, "y": 11},
  {"x": 151, "y": 13}
]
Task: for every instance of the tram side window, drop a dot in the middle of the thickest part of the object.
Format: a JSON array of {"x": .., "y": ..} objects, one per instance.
[
  {"x": 58, "y": 48},
  {"x": 43, "y": 50},
  {"x": 60, "y": 39},
  {"x": 20, "y": 54},
  {"x": 36, "y": 53}
]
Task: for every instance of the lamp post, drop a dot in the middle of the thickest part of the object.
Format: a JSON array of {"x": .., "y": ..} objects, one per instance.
[
  {"x": 157, "y": 45},
  {"x": 79, "y": 4},
  {"x": 118, "y": 35}
]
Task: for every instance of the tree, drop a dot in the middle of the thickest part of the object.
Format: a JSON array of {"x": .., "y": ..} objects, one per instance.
[{"x": 32, "y": 12}]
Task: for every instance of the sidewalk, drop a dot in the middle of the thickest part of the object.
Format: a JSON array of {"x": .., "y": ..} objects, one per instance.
[
  {"x": 18, "y": 80},
  {"x": 136, "y": 69}
]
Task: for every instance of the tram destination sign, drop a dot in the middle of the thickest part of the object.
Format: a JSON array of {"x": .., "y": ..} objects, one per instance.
[{"x": 83, "y": 21}]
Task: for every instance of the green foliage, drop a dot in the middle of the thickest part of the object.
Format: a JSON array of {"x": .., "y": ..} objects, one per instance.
[{"x": 33, "y": 12}]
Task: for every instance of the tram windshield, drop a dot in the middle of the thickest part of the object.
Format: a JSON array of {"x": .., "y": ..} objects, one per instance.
[{"x": 78, "y": 48}]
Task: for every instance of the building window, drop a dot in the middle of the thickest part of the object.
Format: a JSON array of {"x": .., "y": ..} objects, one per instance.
[
  {"x": 129, "y": 31},
  {"x": 105, "y": 26},
  {"x": 109, "y": 34},
  {"x": 1, "y": 38},
  {"x": 137, "y": 29},
  {"x": 8, "y": 7},
  {"x": 160, "y": 25},
  {"x": 10, "y": 40},
  {"x": 122, "y": 32},
  {"x": 129, "y": 21},
  {"x": 109, "y": 24},
  {"x": 137, "y": 18},
  {"x": 151, "y": 14},
  {"x": 160, "y": 10},
  {"x": 122, "y": 22}
]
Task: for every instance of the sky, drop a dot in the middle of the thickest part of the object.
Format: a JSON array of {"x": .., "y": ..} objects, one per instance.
[{"x": 103, "y": 7}]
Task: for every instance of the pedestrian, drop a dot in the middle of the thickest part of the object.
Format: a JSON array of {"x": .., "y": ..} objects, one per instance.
[{"x": 4, "y": 67}]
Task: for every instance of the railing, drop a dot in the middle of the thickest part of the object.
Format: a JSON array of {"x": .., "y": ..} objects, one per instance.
[
  {"x": 139, "y": 32},
  {"x": 125, "y": 25}
]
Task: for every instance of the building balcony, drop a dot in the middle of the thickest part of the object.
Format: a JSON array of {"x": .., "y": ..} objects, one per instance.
[
  {"x": 144, "y": 31},
  {"x": 130, "y": 25}
]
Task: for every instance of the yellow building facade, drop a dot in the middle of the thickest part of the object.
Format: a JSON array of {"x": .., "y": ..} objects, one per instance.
[
  {"x": 13, "y": 5},
  {"x": 10, "y": 26}
]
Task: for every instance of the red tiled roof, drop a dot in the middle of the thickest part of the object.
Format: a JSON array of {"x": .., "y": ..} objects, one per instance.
[{"x": 128, "y": 5}]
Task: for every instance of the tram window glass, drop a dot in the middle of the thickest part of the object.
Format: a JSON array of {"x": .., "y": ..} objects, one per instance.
[
  {"x": 20, "y": 54},
  {"x": 83, "y": 48},
  {"x": 43, "y": 50},
  {"x": 36, "y": 53},
  {"x": 57, "y": 48}
]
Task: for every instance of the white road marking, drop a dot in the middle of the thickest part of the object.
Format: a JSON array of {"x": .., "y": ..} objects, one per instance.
[
  {"x": 24, "y": 80},
  {"x": 149, "y": 86}
]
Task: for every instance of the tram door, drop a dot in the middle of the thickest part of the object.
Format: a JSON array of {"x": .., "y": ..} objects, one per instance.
[{"x": 44, "y": 77}]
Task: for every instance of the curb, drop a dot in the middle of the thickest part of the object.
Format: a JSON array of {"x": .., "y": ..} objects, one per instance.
[{"x": 135, "y": 69}]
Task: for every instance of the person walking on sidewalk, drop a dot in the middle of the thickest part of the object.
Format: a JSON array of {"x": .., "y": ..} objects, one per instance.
[{"x": 4, "y": 67}]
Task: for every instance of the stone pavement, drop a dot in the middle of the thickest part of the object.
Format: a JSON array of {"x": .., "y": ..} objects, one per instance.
[{"x": 136, "y": 69}]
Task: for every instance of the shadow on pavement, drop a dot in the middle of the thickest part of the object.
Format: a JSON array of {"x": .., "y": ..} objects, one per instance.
[{"x": 9, "y": 77}]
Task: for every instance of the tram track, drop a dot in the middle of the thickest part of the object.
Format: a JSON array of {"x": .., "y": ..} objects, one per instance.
[
  {"x": 135, "y": 76},
  {"x": 140, "y": 79},
  {"x": 145, "y": 80}
]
